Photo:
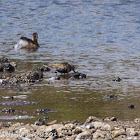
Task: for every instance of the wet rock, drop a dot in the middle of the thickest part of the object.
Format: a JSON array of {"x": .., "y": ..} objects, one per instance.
[
  {"x": 113, "y": 119},
  {"x": 110, "y": 96},
  {"x": 32, "y": 76},
  {"x": 110, "y": 119},
  {"x": 131, "y": 106},
  {"x": 44, "y": 111},
  {"x": 91, "y": 119},
  {"x": 44, "y": 68},
  {"x": 4, "y": 60},
  {"x": 40, "y": 122},
  {"x": 6, "y": 65},
  {"x": 79, "y": 75},
  {"x": 8, "y": 110},
  {"x": 119, "y": 132},
  {"x": 118, "y": 79}
]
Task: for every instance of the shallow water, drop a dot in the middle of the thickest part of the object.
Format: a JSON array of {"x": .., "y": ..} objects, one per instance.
[{"x": 100, "y": 37}]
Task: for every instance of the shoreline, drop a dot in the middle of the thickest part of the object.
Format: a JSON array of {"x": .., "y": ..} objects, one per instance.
[{"x": 92, "y": 128}]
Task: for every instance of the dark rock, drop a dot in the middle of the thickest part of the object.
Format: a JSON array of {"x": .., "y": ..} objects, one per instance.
[
  {"x": 110, "y": 96},
  {"x": 8, "y": 110},
  {"x": 118, "y": 79},
  {"x": 40, "y": 122},
  {"x": 5, "y": 65},
  {"x": 113, "y": 119},
  {"x": 4, "y": 60},
  {"x": 131, "y": 106},
  {"x": 43, "y": 68},
  {"x": 35, "y": 75},
  {"x": 79, "y": 75}
]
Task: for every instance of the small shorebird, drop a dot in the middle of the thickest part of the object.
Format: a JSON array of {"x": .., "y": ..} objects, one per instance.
[
  {"x": 63, "y": 67},
  {"x": 26, "y": 43}
]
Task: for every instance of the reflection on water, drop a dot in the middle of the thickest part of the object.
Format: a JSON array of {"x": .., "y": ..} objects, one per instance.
[{"x": 100, "y": 37}]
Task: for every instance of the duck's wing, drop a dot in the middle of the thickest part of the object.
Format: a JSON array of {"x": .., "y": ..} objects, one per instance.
[
  {"x": 59, "y": 65},
  {"x": 21, "y": 43}
]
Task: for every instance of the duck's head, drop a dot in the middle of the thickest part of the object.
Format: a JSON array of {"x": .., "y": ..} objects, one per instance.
[
  {"x": 34, "y": 36},
  {"x": 72, "y": 68}
]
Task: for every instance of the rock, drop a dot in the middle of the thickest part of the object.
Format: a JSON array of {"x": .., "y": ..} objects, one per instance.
[
  {"x": 137, "y": 120},
  {"x": 102, "y": 135},
  {"x": 8, "y": 110},
  {"x": 35, "y": 75},
  {"x": 118, "y": 79},
  {"x": 132, "y": 132},
  {"x": 113, "y": 119},
  {"x": 43, "y": 68},
  {"x": 40, "y": 122},
  {"x": 44, "y": 111},
  {"x": 5, "y": 65},
  {"x": 77, "y": 130},
  {"x": 110, "y": 96},
  {"x": 52, "y": 122},
  {"x": 131, "y": 106},
  {"x": 102, "y": 126},
  {"x": 119, "y": 132},
  {"x": 91, "y": 119},
  {"x": 110, "y": 119},
  {"x": 78, "y": 75},
  {"x": 87, "y": 135}
]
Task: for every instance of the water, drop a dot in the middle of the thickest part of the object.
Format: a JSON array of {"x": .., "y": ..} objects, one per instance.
[{"x": 100, "y": 37}]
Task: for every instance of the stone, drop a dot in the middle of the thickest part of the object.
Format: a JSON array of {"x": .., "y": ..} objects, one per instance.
[
  {"x": 77, "y": 130},
  {"x": 132, "y": 132},
  {"x": 137, "y": 120},
  {"x": 102, "y": 126},
  {"x": 91, "y": 119},
  {"x": 87, "y": 135},
  {"x": 119, "y": 132}
]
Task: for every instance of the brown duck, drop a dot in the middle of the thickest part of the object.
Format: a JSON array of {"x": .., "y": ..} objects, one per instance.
[
  {"x": 26, "y": 43},
  {"x": 63, "y": 67}
]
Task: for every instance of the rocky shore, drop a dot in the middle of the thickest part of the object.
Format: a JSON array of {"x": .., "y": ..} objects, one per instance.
[{"x": 92, "y": 129}]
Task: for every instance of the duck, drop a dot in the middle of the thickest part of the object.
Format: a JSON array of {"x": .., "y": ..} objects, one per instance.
[
  {"x": 26, "y": 43},
  {"x": 63, "y": 67}
]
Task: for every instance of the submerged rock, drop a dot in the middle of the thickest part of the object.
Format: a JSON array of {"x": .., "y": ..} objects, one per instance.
[
  {"x": 131, "y": 106},
  {"x": 79, "y": 75},
  {"x": 35, "y": 75},
  {"x": 6, "y": 65},
  {"x": 18, "y": 79},
  {"x": 8, "y": 110},
  {"x": 43, "y": 68},
  {"x": 118, "y": 79},
  {"x": 110, "y": 96},
  {"x": 44, "y": 111}
]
